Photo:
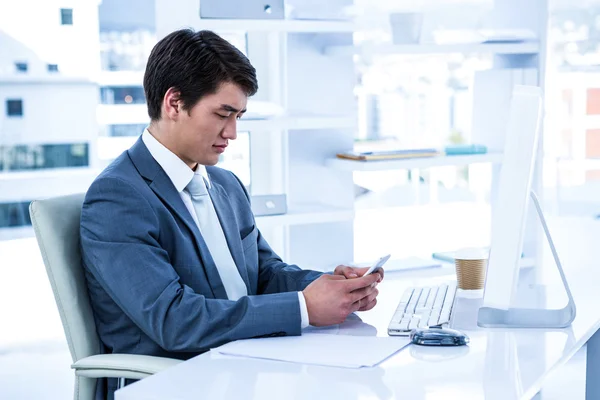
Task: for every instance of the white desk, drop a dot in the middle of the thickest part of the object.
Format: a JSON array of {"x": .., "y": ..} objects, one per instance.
[{"x": 498, "y": 364}]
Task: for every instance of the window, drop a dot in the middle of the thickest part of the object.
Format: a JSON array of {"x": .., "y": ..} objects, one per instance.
[
  {"x": 122, "y": 95},
  {"x": 21, "y": 66},
  {"x": 237, "y": 158},
  {"x": 52, "y": 67},
  {"x": 66, "y": 16},
  {"x": 31, "y": 157},
  {"x": 14, "y": 108},
  {"x": 14, "y": 214},
  {"x": 126, "y": 129},
  {"x": 571, "y": 174}
]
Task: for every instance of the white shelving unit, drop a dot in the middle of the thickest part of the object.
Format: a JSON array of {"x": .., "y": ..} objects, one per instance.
[
  {"x": 527, "y": 47},
  {"x": 285, "y": 26},
  {"x": 306, "y": 214},
  {"x": 296, "y": 122},
  {"x": 307, "y": 66},
  {"x": 411, "y": 163}
]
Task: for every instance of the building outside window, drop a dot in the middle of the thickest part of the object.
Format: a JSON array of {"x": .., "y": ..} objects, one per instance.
[
  {"x": 122, "y": 95},
  {"x": 14, "y": 214},
  {"x": 66, "y": 16},
  {"x": 52, "y": 67},
  {"x": 14, "y": 108},
  {"x": 21, "y": 66},
  {"x": 44, "y": 156},
  {"x": 119, "y": 130}
]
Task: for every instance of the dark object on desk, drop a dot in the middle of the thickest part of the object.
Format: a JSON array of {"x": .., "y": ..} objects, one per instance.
[
  {"x": 438, "y": 337},
  {"x": 269, "y": 204}
]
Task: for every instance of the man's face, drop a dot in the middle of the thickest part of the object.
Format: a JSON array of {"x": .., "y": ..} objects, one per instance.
[{"x": 204, "y": 132}]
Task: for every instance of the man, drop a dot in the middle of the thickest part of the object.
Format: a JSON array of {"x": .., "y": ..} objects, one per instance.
[{"x": 174, "y": 262}]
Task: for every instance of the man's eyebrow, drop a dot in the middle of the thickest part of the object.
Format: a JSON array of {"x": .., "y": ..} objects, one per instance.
[{"x": 229, "y": 108}]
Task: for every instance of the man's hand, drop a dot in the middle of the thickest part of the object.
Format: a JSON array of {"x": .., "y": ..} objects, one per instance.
[
  {"x": 355, "y": 272},
  {"x": 330, "y": 298}
]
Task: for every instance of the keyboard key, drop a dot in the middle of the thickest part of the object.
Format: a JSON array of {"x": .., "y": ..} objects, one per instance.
[
  {"x": 412, "y": 304},
  {"x": 401, "y": 308},
  {"x": 395, "y": 327},
  {"x": 445, "y": 314},
  {"x": 433, "y": 318},
  {"x": 407, "y": 295},
  {"x": 404, "y": 323},
  {"x": 431, "y": 299},
  {"x": 423, "y": 298},
  {"x": 439, "y": 300},
  {"x": 414, "y": 323}
]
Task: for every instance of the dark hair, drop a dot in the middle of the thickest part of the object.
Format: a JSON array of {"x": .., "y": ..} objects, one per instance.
[{"x": 195, "y": 64}]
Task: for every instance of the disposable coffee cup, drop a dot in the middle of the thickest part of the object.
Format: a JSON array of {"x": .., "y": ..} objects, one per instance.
[{"x": 471, "y": 264}]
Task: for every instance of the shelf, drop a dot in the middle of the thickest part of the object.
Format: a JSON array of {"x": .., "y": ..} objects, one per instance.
[
  {"x": 44, "y": 79},
  {"x": 307, "y": 214},
  {"x": 296, "y": 122},
  {"x": 410, "y": 163},
  {"x": 108, "y": 114},
  {"x": 495, "y": 48},
  {"x": 275, "y": 25}
]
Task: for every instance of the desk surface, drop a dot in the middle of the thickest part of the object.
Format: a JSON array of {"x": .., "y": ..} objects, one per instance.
[{"x": 498, "y": 364}]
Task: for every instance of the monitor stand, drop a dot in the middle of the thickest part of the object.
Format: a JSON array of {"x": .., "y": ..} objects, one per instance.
[{"x": 532, "y": 317}]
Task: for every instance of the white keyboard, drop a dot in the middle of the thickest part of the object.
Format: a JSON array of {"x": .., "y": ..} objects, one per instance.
[{"x": 422, "y": 307}]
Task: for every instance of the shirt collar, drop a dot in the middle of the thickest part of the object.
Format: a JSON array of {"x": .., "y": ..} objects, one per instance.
[{"x": 179, "y": 173}]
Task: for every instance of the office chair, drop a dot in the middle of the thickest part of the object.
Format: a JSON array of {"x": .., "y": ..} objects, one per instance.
[{"x": 56, "y": 225}]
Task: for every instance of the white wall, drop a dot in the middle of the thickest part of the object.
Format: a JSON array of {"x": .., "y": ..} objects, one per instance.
[
  {"x": 39, "y": 184},
  {"x": 52, "y": 113},
  {"x": 42, "y": 39}
]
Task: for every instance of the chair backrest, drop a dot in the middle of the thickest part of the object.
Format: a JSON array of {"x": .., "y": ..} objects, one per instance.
[{"x": 56, "y": 225}]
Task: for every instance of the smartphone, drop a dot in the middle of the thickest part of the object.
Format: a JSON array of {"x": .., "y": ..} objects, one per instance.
[{"x": 378, "y": 264}]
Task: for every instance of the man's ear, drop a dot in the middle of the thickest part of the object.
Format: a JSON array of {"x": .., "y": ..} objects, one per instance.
[{"x": 172, "y": 104}]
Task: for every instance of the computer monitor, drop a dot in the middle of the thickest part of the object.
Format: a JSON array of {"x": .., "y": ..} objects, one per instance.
[{"x": 511, "y": 203}]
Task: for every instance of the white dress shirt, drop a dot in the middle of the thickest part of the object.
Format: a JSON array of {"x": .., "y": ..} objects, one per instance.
[{"x": 180, "y": 174}]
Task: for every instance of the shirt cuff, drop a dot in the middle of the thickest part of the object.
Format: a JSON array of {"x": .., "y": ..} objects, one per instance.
[{"x": 303, "y": 310}]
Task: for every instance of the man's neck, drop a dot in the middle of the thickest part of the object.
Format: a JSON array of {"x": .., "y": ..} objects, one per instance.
[{"x": 161, "y": 136}]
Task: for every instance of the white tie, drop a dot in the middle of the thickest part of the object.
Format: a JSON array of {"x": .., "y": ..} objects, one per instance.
[{"x": 213, "y": 235}]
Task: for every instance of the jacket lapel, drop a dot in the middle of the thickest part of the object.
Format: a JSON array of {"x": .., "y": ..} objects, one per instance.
[
  {"x": 164, "y": 189},
  {"x": 230, "y": 228}
]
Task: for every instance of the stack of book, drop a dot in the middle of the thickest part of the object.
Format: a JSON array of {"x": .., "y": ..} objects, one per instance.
[
  {"x": 388, "y": 154},
  {"x": 412, "y": 153}
]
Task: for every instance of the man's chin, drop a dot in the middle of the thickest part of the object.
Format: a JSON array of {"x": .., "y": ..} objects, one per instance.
[{"x": 210, "y": 163}]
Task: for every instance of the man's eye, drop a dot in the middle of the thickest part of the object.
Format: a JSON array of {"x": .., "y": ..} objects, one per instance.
[{"x": 223, "y": 116}]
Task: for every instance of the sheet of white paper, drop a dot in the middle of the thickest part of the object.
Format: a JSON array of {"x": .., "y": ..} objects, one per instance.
[{"x": 318, "y": 349}]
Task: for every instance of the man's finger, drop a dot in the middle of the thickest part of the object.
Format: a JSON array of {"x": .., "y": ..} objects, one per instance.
[
  {"x": 369, "y": 298},
  {"x": 363, "y": 293},
  {"x": 333, "y": 277},
  {"x": 369, "y": 306},
  {"x": 347, "y": 271},
  {"x": 363, "y": 281}
]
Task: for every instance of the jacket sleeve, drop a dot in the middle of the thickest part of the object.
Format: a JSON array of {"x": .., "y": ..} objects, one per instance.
[
  {"x": 275, "y": 276},
  {"x": 121, "y": 249}
]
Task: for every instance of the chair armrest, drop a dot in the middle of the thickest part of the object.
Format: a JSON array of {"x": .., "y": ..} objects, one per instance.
[{"x": 130, "y": 366}]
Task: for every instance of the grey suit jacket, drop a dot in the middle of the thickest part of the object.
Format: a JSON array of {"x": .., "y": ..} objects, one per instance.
[{"x": 153, "y": 285}]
